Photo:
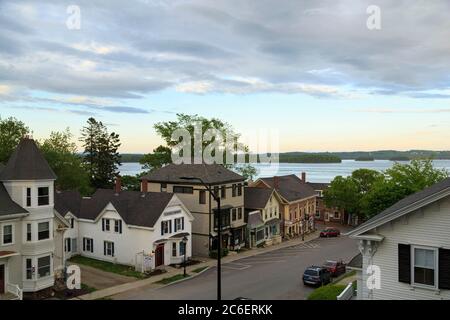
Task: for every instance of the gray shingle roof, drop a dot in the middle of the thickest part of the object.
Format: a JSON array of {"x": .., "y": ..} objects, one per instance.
[
  {"x": 255, "y": 220},
  {"x": 209, "y": 173},
  {"x": 318, "y": 185},
  {"x": 27, "y": 163},
  {"x": 256, "y": 198},
  {"x": 7, "y": 205},
  {"x": 356, "y": 262},
  {"x": 134, "y": 207},
  {"x": 291, "y": 187},
  {"x": 405, "y": 202}
]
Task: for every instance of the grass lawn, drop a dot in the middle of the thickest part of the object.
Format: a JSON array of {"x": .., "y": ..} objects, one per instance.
[
  {"x": 108, "y": 267},
  {"x": 198, "y": 270},
  {"x": 172, "y": 279},
  {"x": 328, "y": 292},
  {"x": 87, "y": 288}
]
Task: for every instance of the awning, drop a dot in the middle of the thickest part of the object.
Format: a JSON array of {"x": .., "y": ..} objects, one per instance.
[
  {"x": 7, "y": 254},
  {"x": 180, "y": 235}
]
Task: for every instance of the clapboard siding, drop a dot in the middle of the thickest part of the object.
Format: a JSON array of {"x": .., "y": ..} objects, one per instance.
[{"x": 429, "y": 226}]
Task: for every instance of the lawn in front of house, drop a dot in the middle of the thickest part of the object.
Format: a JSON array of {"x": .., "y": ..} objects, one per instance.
[
  {"x": 108, "y": 267},
  {"x": 173, "y": 279},
  {"x": 332, "y": 290}
]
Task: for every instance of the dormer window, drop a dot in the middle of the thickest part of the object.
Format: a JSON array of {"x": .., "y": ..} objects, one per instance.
[{"x": 43, "y": 196}]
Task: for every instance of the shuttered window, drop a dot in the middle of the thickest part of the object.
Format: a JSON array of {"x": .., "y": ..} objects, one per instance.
[
  {"x": 444, "y": 269},
  {"x": 404, "y": 263}
]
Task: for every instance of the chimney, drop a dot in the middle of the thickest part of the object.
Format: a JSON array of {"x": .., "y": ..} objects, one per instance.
[
  {"x": 276, "y": 182},
  {"x": 118, "y": 186},
  {"x": 304, "y": 177},
  {"x": 144, "y": 185}
]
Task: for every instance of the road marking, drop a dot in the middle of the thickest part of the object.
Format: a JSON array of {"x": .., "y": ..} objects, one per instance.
[
  {"x": 266, "y": 261},
  {"x": 243, "y": 266}
]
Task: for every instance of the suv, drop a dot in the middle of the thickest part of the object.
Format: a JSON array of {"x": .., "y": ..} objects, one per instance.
[
  {"x": 336, "y": 268},
  {"x": 317, "y": 276}
]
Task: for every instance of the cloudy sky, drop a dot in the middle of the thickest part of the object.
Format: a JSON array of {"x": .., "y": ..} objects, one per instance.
[{"x": 310, "y": 70}]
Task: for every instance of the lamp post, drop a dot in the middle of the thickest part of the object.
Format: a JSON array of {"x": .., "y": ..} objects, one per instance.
[
  {"x": 184, "y": 241},
  {"x": 219, "y": 236}
]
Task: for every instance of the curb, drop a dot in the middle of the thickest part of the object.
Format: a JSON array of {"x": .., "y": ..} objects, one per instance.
[{"x": 181, "y": 280}]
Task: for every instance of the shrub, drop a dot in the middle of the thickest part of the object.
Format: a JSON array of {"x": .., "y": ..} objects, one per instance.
[{"x": 328, "y": 292}]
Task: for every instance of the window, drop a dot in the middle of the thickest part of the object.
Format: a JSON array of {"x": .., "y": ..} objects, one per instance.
[
  {"x": 29, "y": 269},
  {"x": 223, "y": 192},
  {"x": 178, "y": 189},
  {"x": 216, "y": 191},
  {"x": 43, "y": 197},
  {"x": 108, "y": 248},
  {"x": 174, "y": 249},
  {"x": 178, "y": 224},
  {"x": 233, "y": 214},
  {"x": 43, "y": 230},
  {"x": 239, "y": 213},
  {"x": 163, "y": 187},
  {"x": 88, "y": 245},
  {"x": 182, "y": 248},
  {"x": 67, "y": 245},
  {"x": 8, "y": 234},
  {"x": 424, "y": 264},
  {"x": 202, "y": 197},
  {"x": 233, "y": 190},
  {"x": 71, "y": 222},
  {"x": 239, "y": 189},
  {"x": 166, "y": 227},
  {"x": 44, "y": 266},
  {"x": 28, "y": 197},
  {"x": 28, "y": 231},
  {"x": 106, "y": 225},
  {"x": 118, "y": 226},
  {"x": 74, "y": 245}
]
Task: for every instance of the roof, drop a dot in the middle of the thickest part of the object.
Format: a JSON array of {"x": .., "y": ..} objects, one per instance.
[
  {"x": 135, "y": 208},
  {"x": 291, "y": 187},
  {"x": 27, "y": 163},
  {"x": 257, "y": 198},
  {"x": 254, "y": 219},
  {"x": 7, "y": 205},
  {"x": 406, "y": 205},
  {"x": 356, "y": 262},
  {"x": 318, "y": 185},
  {"x": 209, "y": 173}
]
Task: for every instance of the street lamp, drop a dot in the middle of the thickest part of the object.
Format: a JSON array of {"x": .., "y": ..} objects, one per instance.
[
  {"x": 219, "y": 231},
  {"x": 184, "y": 242}
]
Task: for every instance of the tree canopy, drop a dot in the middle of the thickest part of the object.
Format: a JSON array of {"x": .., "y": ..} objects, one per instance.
[{"x": 11, "y": 131}]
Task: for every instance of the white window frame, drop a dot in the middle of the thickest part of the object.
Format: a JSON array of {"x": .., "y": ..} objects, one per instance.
[
  {"x": 48, "y": 195},
  {"x": 88, "y": 245},
  {"x": 436, "y": 267},
  {"x": 49, "y": 231},
  {"x": 111, "y": 244},
  {"x": 50, "y": 267},
  {"x": 178, "y": 225},
  {"x": 13, "y": 231}
]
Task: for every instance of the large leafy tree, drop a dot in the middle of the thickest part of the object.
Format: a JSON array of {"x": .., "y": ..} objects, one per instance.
[
  {"x": 61, "y": 153},
  {"x": 100, "y": 154},
  {"x": 11, "y": 131},
  {"x": 160, "y": 156}
]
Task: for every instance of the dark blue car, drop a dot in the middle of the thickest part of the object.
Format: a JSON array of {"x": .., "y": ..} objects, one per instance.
[{"x": 316, "y": 276}]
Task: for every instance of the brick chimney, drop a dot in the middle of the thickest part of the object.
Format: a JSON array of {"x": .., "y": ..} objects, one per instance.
[
  {"x": 304, "y": 177},
  {"x": 118, "y": 186},
  {"x": 276, "y": 182},
  {"x": 144, "y": 185}
]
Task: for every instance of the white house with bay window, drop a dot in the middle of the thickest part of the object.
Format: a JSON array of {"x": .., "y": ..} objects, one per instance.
[
  {"x": 126, "y": 227},
  {"x": 410, "y": 243},
  {"x": 29, "y": 229}
]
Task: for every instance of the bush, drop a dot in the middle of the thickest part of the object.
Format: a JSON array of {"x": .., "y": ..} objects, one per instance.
[
  {"x": 328, "y": 292},
  {"x": 213, "y": 253}
]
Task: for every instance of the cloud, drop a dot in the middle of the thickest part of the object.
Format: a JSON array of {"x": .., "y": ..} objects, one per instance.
[{"x": 397, "y": 110}]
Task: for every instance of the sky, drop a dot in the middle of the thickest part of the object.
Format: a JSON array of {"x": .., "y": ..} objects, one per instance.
[{"x": 309, "y": 72}]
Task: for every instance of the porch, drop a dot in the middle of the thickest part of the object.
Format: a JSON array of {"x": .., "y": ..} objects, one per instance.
[{"x": 8, "y": 291}]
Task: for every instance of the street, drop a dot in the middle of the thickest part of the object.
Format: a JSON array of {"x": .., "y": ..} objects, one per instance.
[{"x": 268, "y": 276}]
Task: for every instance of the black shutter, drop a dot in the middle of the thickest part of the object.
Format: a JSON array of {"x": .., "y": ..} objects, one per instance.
[
  {"x": 103, "y": 224},
  {"x": 404, "y": 263},
  {"x": 162, "y": 228},
  {"x": 120, "y": 226},
  {"x": 84, "y": 244},
  {"x": 92, "y": 245},
  {"x": 170, "y": 226},
  {"x": 112, "y": 244},
  {"x": 444, "y": 269},
  {"x": 104, "y": 248},
  {"x": 182, "y": 223}
]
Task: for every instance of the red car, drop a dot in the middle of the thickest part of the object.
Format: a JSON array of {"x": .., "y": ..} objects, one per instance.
[
  {"x": 330, "y": 232},
  {"x": 335, "y": 268}
]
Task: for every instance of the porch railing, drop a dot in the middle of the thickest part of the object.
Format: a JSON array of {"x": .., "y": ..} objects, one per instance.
[
  {"x": 347, "y": 294},
  {"x": 15, "y": 290}
]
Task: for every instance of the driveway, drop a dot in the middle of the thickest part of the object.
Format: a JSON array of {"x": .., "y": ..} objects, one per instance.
[
  {"x": 99, "y": 279},
  {"x": 268, "y": 276}
]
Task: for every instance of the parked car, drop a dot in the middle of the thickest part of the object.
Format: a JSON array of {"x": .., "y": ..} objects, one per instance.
[
  {"x": 316, "y": 276},
  {"x": 335, "y": 268},
  {"x": 330, "y": 232}
]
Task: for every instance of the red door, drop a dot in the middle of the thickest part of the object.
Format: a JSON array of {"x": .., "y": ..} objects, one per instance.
[
  {"x": 2, "y": 278},
  {"x": 159, "y": 255}
]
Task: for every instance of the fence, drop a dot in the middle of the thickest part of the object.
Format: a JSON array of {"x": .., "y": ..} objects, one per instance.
[
  {"x": 144, "y": 262},
  {"x": 347, "y": 294}
]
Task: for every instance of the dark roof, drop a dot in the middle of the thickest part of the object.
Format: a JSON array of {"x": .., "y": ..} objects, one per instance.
[
  {"x": 255, "y": 220},
  {"x": 27, "y": 163},
  {"x": 318, "y": 185},
  {"x": 209, "y": 173},
  {"x": 135, "y": 208},
  {"x": 7, "y": 205},
  {"x": 256, "y": 198},
  {"x": 356, "y": 262},
  {"x": 291, "y": 187},
  {"x": 405, "y": 202}
]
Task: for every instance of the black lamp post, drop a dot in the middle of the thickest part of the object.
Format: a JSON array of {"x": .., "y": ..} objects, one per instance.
[
  {"x": 184, "y": 242},
  {"x": 219, "y": 237}
]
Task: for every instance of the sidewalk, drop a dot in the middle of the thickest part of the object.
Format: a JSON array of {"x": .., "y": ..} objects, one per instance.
[{"x": 151, "y": 282}]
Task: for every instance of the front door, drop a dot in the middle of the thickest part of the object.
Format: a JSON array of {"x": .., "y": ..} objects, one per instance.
[
  {"x": 2, "y": 278},
  {"x": 159, "y": 255}
]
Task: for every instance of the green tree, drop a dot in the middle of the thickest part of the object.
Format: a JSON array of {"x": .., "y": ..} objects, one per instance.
[
  {"x": 11, "y": 131},
  {"x": 247, "y": 171},
  {"x": 61, "y": 153},
  {"x": 131, "y": 183},
  {"x": 365, "y": 178},
  {"x": 160, "y": 157},
  {"x": 343, "y": 193},
  {"x": 101, "y": 155}
]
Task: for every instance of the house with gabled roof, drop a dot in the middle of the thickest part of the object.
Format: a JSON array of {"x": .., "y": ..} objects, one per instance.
[
  {"x": 298, "y": 203},
  {"x": 144, "y": 230},
  {"x": 405, "y": 250},
  {"x": 263, "y": 217}
]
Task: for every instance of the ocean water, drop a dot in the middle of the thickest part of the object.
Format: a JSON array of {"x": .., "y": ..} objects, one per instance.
[{"x": 315, "y": 172}]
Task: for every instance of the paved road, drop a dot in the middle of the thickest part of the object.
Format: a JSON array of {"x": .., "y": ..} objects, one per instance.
[{"x": 268, "y": 276}]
